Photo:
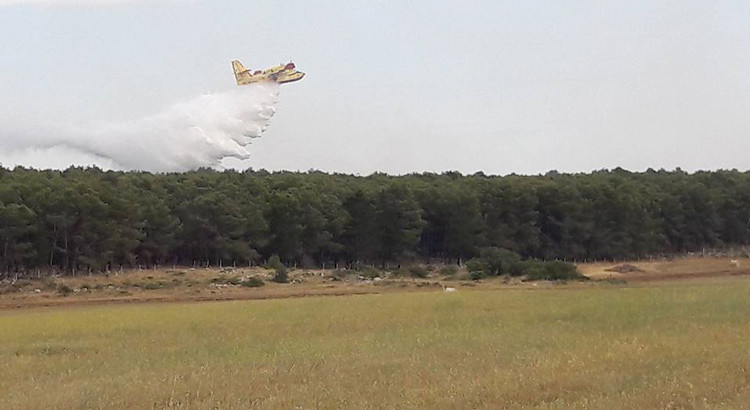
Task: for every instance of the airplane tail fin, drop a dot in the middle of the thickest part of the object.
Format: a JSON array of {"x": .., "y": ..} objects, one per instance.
[{"x": 240, "y": 72}]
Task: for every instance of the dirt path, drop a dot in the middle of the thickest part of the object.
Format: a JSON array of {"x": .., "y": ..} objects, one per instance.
[{"x": 61, "y": 302}]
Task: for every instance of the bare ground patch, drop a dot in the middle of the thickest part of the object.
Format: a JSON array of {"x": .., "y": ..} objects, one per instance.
[{"x": 666, "y": 269}]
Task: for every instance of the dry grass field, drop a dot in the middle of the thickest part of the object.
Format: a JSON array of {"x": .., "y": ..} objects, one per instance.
[{"x": 678, "y": 345}]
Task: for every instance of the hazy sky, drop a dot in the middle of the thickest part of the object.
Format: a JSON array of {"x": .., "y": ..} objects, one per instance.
[{"x": 400, "y": 86}]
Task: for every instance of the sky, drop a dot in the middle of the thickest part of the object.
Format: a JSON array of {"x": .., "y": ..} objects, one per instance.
[{"x": 395, "y": 86}]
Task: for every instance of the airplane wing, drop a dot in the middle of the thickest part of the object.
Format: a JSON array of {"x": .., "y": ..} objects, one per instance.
[{"x": 275, "y": 70}]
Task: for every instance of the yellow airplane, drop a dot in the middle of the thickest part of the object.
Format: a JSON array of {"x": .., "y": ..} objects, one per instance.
[{"x": 283, "y": 73}]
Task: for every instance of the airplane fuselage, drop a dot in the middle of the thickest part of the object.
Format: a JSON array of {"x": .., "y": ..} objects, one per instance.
[{"x": 282, "y": 74}]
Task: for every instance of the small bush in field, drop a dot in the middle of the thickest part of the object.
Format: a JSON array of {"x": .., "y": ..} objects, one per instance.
[
  {"x": 552, "y": 270},
  {"x": 64, "y": 290},
  {"x": 501, "y": 262},
  {"x": 274, "y": 262},
  {"x": 226, "y": 280},
  {"x": 281, "y": 275},
  {"x": 253, "y": 283},
  {"x": 448, "y": 270},
  {"x": 477, "y": 269},
  {"x": 151, "y": 286},
  {"x": 400, "y": 272},
  {"x": 370, "y": 272},
  {"x": 49, "y": 284},
  {"x": 417, "y": 271}
]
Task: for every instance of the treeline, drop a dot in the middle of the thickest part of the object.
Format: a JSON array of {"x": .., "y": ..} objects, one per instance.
[{"x": 91, "y": 220}]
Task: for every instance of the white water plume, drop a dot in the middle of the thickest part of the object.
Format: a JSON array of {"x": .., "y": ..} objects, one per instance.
[{"x": 188, "y": 135}]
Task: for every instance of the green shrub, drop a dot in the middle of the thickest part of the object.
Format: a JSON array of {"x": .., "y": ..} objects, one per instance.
[
  {"x": 360, "y": 269},
  {"x": 274, "y": 262},
  {"x": 64, "y": 290},
  {"x": 416, "y": 271},
  {"x": 552, "y": 270},
  {"x": 448, "y": 270},
  {"x": 151, "y": 286},
  {"x": 49, "y": 284},
  {"x": 401, "y": 272},
  {"x": 281, "y": 275},
  {"x": 495, "y": 262},
  {"x": 501, "y": 262},
  {"x": 226, "y": 280},
  {"x": 477, "y": 268},
  {"x": 370, "y": 272},
  {"x": 253, "y": 283}
]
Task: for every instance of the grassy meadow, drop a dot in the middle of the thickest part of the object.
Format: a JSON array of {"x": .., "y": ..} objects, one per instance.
[{"x": 684, "y": 345}]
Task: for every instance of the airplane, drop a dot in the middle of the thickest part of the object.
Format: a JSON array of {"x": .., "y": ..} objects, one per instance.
[{"x": 283, "y": 73}]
